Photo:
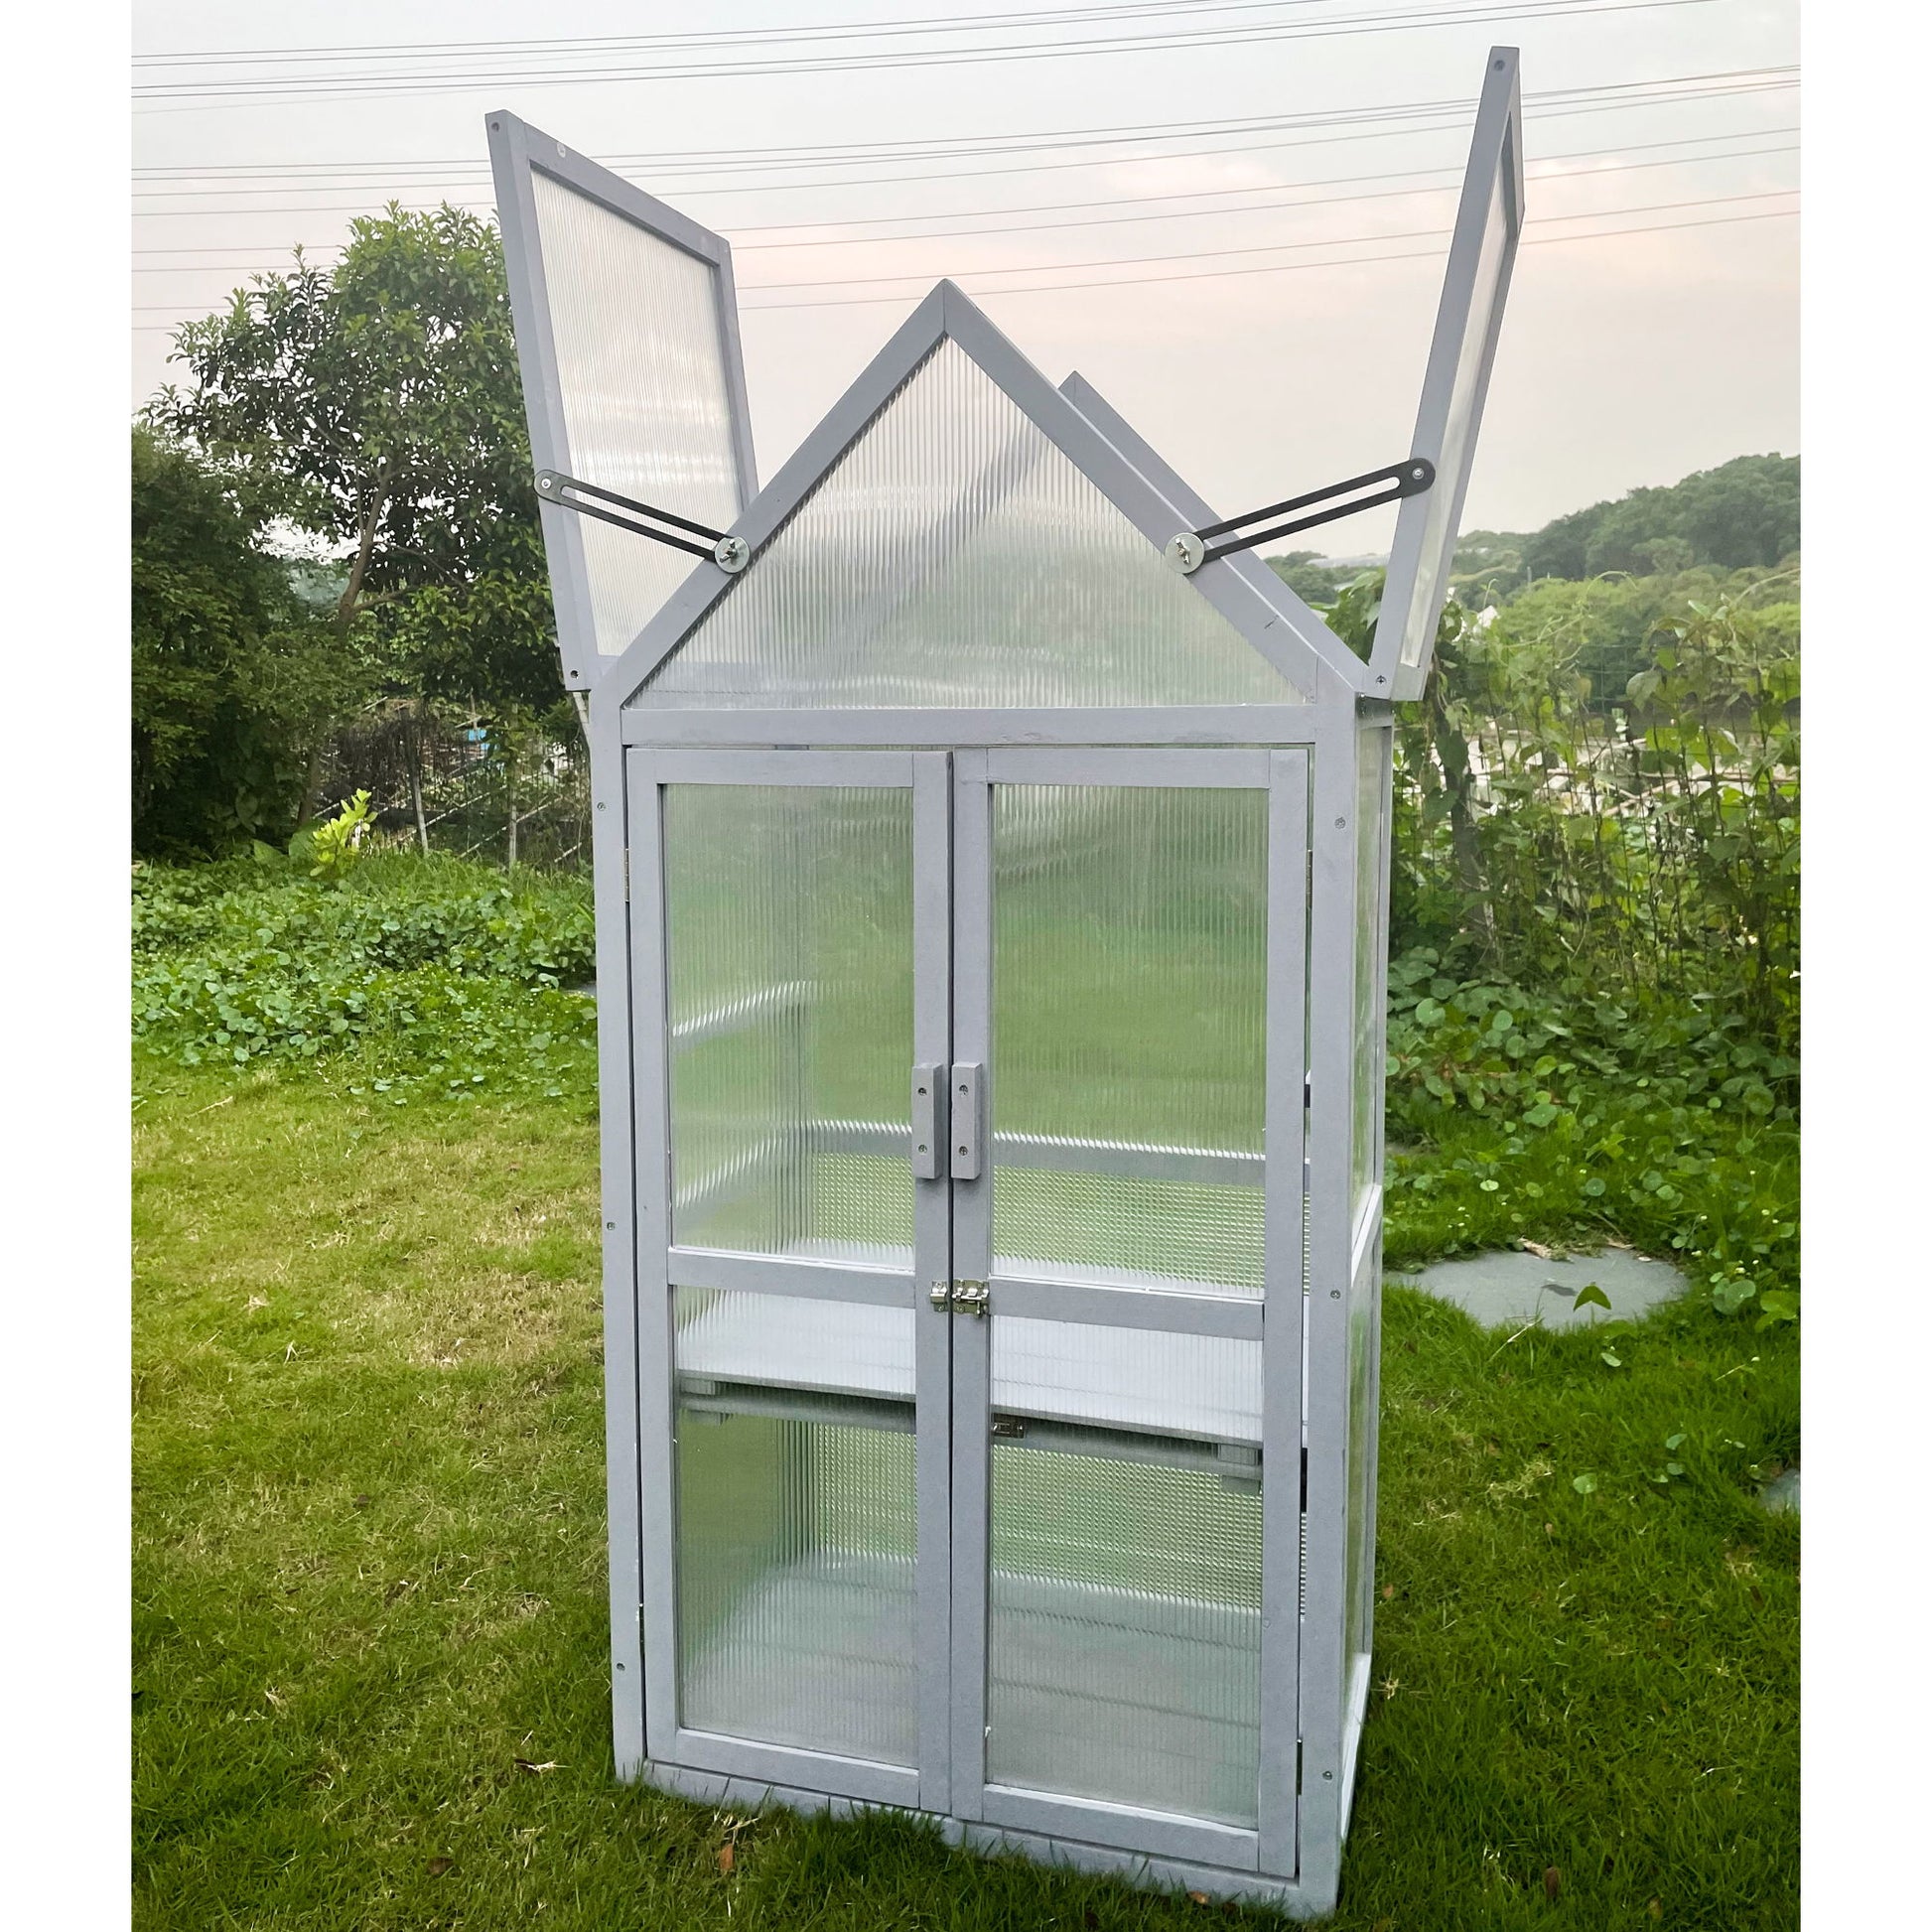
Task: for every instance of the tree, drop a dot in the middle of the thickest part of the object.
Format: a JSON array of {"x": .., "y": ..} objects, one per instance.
[
  {"x": 1740, "y": 515},
  {"x": 377, "y": 405},
  {"x": 234, "y": 682}
]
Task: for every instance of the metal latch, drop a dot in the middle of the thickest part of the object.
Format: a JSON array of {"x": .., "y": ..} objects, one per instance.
[
  {"x": 1009, "y": 1428},
  {"x": 962, "y": 1298}
]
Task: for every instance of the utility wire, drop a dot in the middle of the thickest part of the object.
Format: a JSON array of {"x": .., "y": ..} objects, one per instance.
[
  {"x": 1276, "y": 268},
  {"x": 1271, "y": 248},
  {"x": 677, "y": 158},
  {"x": 745, "y": 36},
  {"x": 1347, "y": 26},
  {"x": 1200, "y": 193},
  {"x": 1182, "y": 215},
  {"x": 1142, "y": 281},
  {"x": 1330, "y": 241},
  {"x": 1558, "y": 111}
]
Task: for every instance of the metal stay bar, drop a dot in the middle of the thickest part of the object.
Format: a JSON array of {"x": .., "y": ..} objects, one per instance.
[
  {"x": 1192, "y": 548},
  {"x": 729, "y": 553}
]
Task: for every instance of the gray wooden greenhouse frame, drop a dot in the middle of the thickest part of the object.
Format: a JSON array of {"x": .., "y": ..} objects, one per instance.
[{"x": 1320, "y": 758}]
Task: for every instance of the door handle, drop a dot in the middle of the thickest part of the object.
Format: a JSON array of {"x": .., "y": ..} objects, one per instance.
[
  {"x": 928, "y": 1122},
  {"x": 965, "y": 1097}
]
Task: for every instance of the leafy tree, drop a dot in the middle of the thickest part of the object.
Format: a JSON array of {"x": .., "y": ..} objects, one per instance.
[
  {"x": 233, "y": 680},
  {"x": 1744, "y": 512},
  {"x": 377, "y": 406},
  {"x": 1311, "y": 580}
]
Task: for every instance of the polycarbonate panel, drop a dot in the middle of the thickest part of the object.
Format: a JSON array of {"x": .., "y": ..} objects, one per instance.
[
  {"x": 1451, "y": 466},
  {"x": 1369, "y": 1029},
  {"x": 1124, "y": 1631},
  {"x": 1129, "y": 1034},
  {"x": 788, "y": 937},
  {"x": 641, "y": 367},
  {"x": 953, "y": 556},
  {"x": 1364, "y": 1331},
  {"x": 796, "y": 1537}
]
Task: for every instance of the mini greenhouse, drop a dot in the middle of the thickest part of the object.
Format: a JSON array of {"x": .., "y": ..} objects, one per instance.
[{"x": 990, "y": 867}]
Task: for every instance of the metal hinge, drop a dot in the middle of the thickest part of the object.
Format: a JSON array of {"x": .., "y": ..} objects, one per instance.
[
  {"x": 627, "y": 873},
  {"x": 961, "y": 1298}
]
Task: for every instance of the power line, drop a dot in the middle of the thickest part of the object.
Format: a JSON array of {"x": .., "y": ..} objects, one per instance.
[
  {"x": 1348, "y": 27},
  {"x": 1276, "y": 268},
  {"x": 1030, "y": 227},
  {"x": 824, "y": 154},
  {"x": 1271, "y": 248},
  {"x": 1554, "y": 111},
  {"x": 1329, "y": 241},
  {"x": 1201, "y": 193},
  {"x": 1142, "y": 281},
  {"x": 620, "y": 43}
]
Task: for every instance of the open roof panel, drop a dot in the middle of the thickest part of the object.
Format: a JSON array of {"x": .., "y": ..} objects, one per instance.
[
  {"x": 626, "y": 334},
  {"x": 1489, "y": 220}
]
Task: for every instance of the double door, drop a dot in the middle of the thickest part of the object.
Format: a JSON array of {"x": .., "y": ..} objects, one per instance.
[{"x": 969, "y": 1096}]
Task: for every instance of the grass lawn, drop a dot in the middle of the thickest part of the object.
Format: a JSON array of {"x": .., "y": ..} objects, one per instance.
[{"x": 369, "y": 1608}]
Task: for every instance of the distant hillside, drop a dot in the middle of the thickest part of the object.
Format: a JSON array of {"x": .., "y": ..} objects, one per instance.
[{"x": 1741, "y": 515}]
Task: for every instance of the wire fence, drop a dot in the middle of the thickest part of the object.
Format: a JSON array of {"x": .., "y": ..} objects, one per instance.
[{"x": 463, "y": 788}]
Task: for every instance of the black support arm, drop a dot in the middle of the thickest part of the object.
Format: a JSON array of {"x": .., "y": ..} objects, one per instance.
[{"x": 1192, "y": 548}]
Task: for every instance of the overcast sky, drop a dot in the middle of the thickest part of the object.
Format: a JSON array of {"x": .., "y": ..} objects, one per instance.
[{"x": 1625, "y": 359}]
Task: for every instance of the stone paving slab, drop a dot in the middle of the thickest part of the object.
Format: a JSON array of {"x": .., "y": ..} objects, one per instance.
[{"x": 1510, "y": 1287}]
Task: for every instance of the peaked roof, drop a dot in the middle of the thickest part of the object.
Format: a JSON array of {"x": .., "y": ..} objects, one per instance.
[{"x": 1294, "y": 656}]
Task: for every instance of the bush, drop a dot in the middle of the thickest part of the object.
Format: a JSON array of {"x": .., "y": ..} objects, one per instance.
[{"x": 430, "y": 967}]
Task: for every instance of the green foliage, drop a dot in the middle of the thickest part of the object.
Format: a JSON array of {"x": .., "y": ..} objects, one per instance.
[
  {"x": 332, "y": 847},
  {"x": 233, "y": 677},
  {"x": 1487, "y": 567},
  {"x": 1313, "y": 582},
  {"x": 1578, "y": 1116},
  {"x": 433, "y": 974},
  {"x": 1744, "y": 512},
  {"x": 377, "y": 405},
  {"x": 1653, "y": 850}
]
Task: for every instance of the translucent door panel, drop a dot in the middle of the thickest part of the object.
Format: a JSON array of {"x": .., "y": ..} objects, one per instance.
[
  {"x": 796, "y": 1523},
  {"x": 788, "y": 936},
  {"x": 1124, "y": 1594},
  {"x": 1129, "y": 1020}
]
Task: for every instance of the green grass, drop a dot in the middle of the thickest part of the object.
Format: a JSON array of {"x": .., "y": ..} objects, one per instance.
[{"x": 370, "y": 1578}]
